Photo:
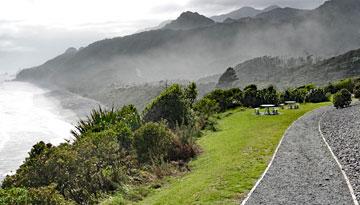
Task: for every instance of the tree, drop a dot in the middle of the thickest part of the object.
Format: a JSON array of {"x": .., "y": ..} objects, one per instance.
[
  {"x": 269, "y": 95},
  {"x": 316, "y": 95},
  {"x": 235, "y": 96},
  {"x": 191, "y": 93},
  {"x": 342, "y": 99},
  {"x": 221, "y": 98},
  {"x": 228, "y": 78},
  {"x": 171, "y": 106},
  {"x": 251, "y": 96}
]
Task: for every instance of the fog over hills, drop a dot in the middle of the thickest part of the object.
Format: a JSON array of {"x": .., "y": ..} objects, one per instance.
[
  {"x": 201, "y": 48},
  {"x": 292, "y": 72},
  {"x": 242, "y": 13}
]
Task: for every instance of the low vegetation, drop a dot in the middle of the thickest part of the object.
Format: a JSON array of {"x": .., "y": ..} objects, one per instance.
[
  {"x": 232, "y": 161},
  {"x": 125, "y": 154},
  {"x": 342, "y": 99}
]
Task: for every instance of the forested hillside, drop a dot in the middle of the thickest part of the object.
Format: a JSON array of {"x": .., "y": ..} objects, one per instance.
[{"x": 163, "y": 54}]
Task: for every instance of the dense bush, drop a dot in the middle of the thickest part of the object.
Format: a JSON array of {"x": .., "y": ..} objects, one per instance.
[
  {"x": 205, "y": 108},
  {"x": 268, "y": 95},
  {"x": 101, "y": 119},
  {"x": 330, "y": 88},
  {"x": 316, "y": 95},
  {"x": 41, "y": 196},
  {"x": 105, "y": 154},
  {"x": 347, "y": 84},
  {"x": 251, "y": 98},
  {"x": 342, "y": 99},
  {"x": 357, "y": 91},
  {"x": 297, "y": 95},
  {"x": 220, "y": 97},
  {"x": 171, "y": 105},
  {"x": 235, "y": 96},
  {"x": 184, "y": 146},
  {"x": 153, "y": 142},
  {"x": 96, "y": 163}
]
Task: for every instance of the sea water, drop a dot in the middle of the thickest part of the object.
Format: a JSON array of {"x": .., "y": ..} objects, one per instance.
[{"x": 27, "y": 116}]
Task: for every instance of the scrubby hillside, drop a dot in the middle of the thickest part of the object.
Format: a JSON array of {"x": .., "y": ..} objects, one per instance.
[{"x": 290, "y": 72}]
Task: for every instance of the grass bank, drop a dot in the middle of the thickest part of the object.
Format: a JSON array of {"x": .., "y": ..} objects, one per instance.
[{"x": 233, "y": 159}]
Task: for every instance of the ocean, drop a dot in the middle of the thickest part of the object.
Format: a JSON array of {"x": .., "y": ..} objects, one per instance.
[{"x": 28, "y": 115}]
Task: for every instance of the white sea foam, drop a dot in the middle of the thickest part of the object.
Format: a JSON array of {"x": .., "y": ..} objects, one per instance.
[{"x": 27, "y": 117}]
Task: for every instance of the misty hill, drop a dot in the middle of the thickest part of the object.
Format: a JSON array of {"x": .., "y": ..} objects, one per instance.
[
  {"x": 189, "y": 20},
  {"x": 290, "y": 72},
  {"x": 160, "y": 26},
  {"x": 242, "y": 13},
  {"x": 171, "y": 54}
]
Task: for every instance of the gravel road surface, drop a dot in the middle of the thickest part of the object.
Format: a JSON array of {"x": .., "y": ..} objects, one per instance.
[
  {"x": 341, "y": 129},
  {"x": 303, "y": 171}
]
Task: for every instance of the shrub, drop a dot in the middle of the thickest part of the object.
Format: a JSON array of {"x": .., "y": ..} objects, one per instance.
[
  {"x": 220, "y": 97},
  {"x": 92, "y": 165},
  {"x": 170, "y": 106},
  {"x": 42, "y": 196},
  {"x": 124, "y": 135},
  {"x": 347, "y": 84},
  {"x": 316, "y": 95},
  {"x": 184, "y": 145},
  {"x": 357, "y": 91},
  {"x": 153, "y": 142},
  {"x": 330, "y": 88},
  {"x": 204, "y": 108},
  {"x": 14, "y": 196},
  {"x": 101, "y": 119},
  {"x": 342, "y": 99},
  {"x": 130, "y": 116},
  {"x": 47, "y": 196},
  {"x": 328, "y": 96}
]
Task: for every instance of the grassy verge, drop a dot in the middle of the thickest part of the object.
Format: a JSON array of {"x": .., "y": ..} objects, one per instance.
[{"x": 233, "y": 159}]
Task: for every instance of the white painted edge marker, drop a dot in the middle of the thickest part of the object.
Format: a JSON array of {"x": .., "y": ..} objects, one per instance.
[
  {"x": 271, "y": 162},
  {"x": 338, "y": 163}
]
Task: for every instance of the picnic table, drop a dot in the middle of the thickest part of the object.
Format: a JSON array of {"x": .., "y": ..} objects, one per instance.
[
  {"x": 291, "y": 104},
  {"x": 267, "y": 108}
]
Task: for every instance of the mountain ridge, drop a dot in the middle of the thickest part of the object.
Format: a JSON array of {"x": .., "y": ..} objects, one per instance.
[
  {"x": 189, "y": 20},
  {"x": 168, "y": 54},
  {"x": 242, "y": 13}
]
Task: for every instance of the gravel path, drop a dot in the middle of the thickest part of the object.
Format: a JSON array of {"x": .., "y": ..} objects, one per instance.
[
  {"x": 303, "y": 171},
  {"x": 341, "y": 129}
]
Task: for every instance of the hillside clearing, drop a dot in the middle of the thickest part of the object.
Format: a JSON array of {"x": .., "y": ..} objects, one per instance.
[{"x": 232, "y": 161}]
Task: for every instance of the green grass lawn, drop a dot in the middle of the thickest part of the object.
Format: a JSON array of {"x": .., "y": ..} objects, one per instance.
[{"x": 233, "y": 159}]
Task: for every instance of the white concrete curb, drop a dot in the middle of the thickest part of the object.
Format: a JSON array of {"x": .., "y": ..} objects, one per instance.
[{"x": 338, "y": 163}]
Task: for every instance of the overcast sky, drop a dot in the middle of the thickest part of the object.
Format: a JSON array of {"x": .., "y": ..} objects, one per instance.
[{"x": 32, "y": 31}]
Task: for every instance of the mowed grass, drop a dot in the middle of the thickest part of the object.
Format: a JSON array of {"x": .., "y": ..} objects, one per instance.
[{"x": 232, "y": 161}]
